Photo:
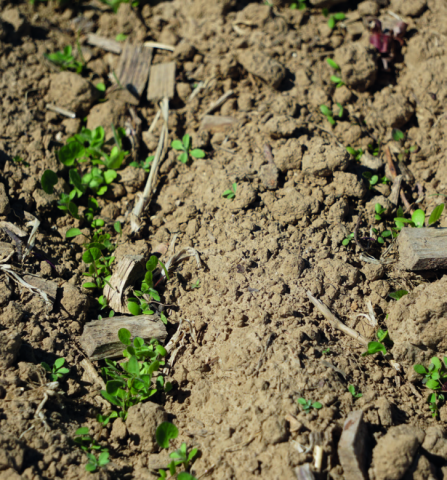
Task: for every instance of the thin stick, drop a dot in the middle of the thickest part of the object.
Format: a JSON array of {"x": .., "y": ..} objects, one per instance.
[
  {"x": 61, "y": 111},
  {"x": 390, "y": 162},
  {"x": 144, "y": 199},
  {"x": 356, "y": 234},
  {"x": 161, "y": 46},
  {"x": 219, "y": 102},
  {"x": 335, "y": 322}
]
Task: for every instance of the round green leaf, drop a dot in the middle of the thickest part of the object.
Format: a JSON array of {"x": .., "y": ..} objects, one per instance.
[
  {"x": 183, "y": 158},
  {"x": 101, "y": 87},
  {"x": 124, "y": 336},
  {"x": 177, "y": 145},
  {"x": 436, "y": 362},
  {"x": 325, "y": 110},
  {"x": 117, "y": 227},
  {"x": 82, "y": 431},
  {"x": 433, "y": 384},
  {"x": 73, "y": 232},
  {"x": 73, "y": 209},
  {"x": 331, "y": 22},
  {"x": 109, "y": 176},
  {"x": 332, "y": 63},
  {"x": 70, "y": 152},
  {"x": 49, "y": 180},
  {"x": 418, "y": 218},
  {"x": 317, "y": 405},
  {"x": 102, "y": 190},
  {"x": 134, "y": 308},
  {"x": 161, "y": 350},
  {"x": 185, "y": 476},
  {"x": 165, "y": 432},
  {"x": 397, "y": 135},
  {"x": 197, "y": 153},
  {"x": 59, "y": 362},
  {"x": 339, "y": 16},
  {"x": 152, "y": 263}
]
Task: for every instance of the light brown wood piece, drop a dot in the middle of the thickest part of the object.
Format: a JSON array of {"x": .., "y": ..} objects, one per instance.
[
  {"x": 133, "y": 68},
  {"x": 423, "y": 248},
  {"x": 130, "y": 269},
  {"x": 161, "y": 82},
  {"x": 104, "y": 43},
  {"x": 395, "y": 189},
  {"x": 100, "y": 337},
  {"x": 352, "y": 448}
]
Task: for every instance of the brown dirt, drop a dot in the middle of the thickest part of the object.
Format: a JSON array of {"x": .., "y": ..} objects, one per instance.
[{"x": 259, "y": 340}]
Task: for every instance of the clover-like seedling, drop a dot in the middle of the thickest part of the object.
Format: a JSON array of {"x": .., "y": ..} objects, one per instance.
[
  {"x": 348, "y": 239},
  {"x": 435, "y": 378},
  {"x": 18, "y": 159},
  {"x": 372, "y": 179},
  {"x": 144, "y": 164},
  {"x": 356, "y": 153},
  {"x": 309, "y": 404},
  {"x": 57, "y": 371},
  {"x": 94, "y": 463},
  {"x": 65, "y": 60},
  {"x": 376, "y": 347},
  {"x": 333, "y": 19},
  {"x": 298, "y": 5},
  {"x": 196, "y": 284},
  {"x": 326, "y": 351},
  {"x": 381, "y": 236},
  {"x": 184, "y": 145},
  {"x": 327, "y": 112},
  {"x": 353, "y": 392},
  {"x": 230, "y": 193}
]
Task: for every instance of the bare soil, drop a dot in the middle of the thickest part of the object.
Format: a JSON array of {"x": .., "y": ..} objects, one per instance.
[{"x": 259, "y": 344}]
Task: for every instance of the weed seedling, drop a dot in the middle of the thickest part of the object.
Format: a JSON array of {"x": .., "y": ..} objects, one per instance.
[
  {"x": 57, "y": 371},
  {"x": 131, "y": 382},
  {"x": 333, "y": 19},
  {"x": 18, "y": 159},
  {"x": 184, "y": 145},
  {"x": 181, "y": 457},
  {"x": 230, "y": 193},
  {"x": 140, "y": 303},
  {"x": 399, "y": 136},
  {"x": 436, "y": 214},
  {"x": 333, "y": 64},
  {"x": 308, "y": 404},
  {"x": 435, "y": 378},
  {"x": 326, "y": 351},
  {"x": 299, "y": 5},
  {"x": 352, "y": 391},
  {"x": 121, "y": 37},
  {"x": 144, "y": 164},
  {"x": 381, "y": 236},
  {"x": 348, "y": 239},
  {"x": 327, "y": 112},
  {"x": 196, "y": 284},
  {"x": 398, "y": 295},
  {"x": 379, "y": 211},
  {"x": 65, "y": 60},
  {"x": 376, "y": 347},
  {"x": 338, "y": 81},
  {"x": 357, "y": 154}
]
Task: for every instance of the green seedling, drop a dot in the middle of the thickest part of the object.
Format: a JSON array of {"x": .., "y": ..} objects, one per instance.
[
  {"x": 418, "y": 217},
  {"x": 376, "y": 347},
  {"x": 94, "y": 463},
  {"x": 398, "y": 294},
  {"x": 352, "y": 391},
  {"x": 121, "y": 37},
  {"x": 435, "y": 378},
  {"x": 348, "y": 239},
  {"x": 381, "y": 236},
  {"x": 326, "y": 351},
  {"x": 230, "y": 193},
  {"x": 65, "y": 60},
  {"x": 357, "y": 154},
  {"x": 333, "y": 64},
  {"x": 374, "y": 150},
  {"x": 181, "y": 457},
  {"x": 86, "y": 442},
  {"x": 379, "y": 212},
  {"x": 196, "y": 284},
  {"x": 327, "y": 112},
  {"x": 399, "y": 136},
  {"x": 184, "y": 145},
  {"x": 436, "y": 214},
  {"x": 333, "y": 19},
  {"x": 131, "y": 382},
  {"x": 115, "y": 4},
  {"x": 57, "y": 371},
  {"x": 299, "y": 5},
  {"x": 18, "y": 159},
  {"x": 338, "y": 81},
  {"x": 144, "y": 164},
  {"x": 309, "y": 404},
  {"x": 147, "y": 292},
  {"x": 101, "y": 87},
  {"x": 374, "y": 179},
  {"x": 95, "y": 254}
]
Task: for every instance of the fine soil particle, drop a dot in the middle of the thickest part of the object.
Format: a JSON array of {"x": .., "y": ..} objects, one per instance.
[{"x": 304, "y": 219}]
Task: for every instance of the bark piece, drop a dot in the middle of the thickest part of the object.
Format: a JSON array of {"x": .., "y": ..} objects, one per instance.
[
  {"x": 130, "y": 269},
  {"x": 100, "y": 337},
  {"x": 423, "y": 248},
  {"x": 47, "y": 286},
  {"x": 133, "y": 69},
  {"x": 161, "y": 82},
  {"x": 352, "y": 447},
  {"x": 104, "y": 43}
]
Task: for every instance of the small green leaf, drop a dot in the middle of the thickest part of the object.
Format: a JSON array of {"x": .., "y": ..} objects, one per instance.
[
  {"x": 89, "y": 285},
  {"x": 165, "y": 432},
  {"x": 418, "y": 218},
  {"x": 109, "y": 176},
  {"x": 437, "y": 363},
  {"x": 398, "y": 294},
  {"x": 397, "y": 135},
  {"x": 331, "y": 22},
  {"x": 432, "y": 384},
  {"x": 117, "y": 227},
  {"x": 59, "y": 362},
  {"x": 374, "y": 347},
  {"x": 197, "y": 153},
  {"x": 183, "y": 158},
  {"x": 177, "y": 145},
  {"x": 134, "y": 308},
  {"x": 48, "y": 181},
  {"x": 326, "y": 111},
  {"x": 152, "y": 263},
  {"x": 302, "y": 401},
  {"x": 341, "y": 110},
  {"x": 70, "y": 152},
  {"x": 333, "y": 63},
  {"x": 124, "y": 336},
  {"x": 120, "y": 37},
  {"x": 317, "y": 405},
  {"x": 82, "y": 431},
  {"x": 335, "y": 79},
  {"x": 436, "y": 214},
  {"x": 186, "y": 140},
  {"x": 101, "y": 87},
  {"x": 73, "y": 232},
  {"x": 339, "y": 16}
]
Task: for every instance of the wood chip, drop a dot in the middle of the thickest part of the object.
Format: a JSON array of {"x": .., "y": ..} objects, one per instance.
[
  {"x": 423, "y": 248},
  {"x": 100, "y": 337},
  {"x": 129, "y": 270},
  {"x": 104, "y": 43},
  {"x": 352, "y": 448},
  {"x": 60, "y": 110},
  {"x": 133, "y": 69},
  {"x": 161, "y": 82}
]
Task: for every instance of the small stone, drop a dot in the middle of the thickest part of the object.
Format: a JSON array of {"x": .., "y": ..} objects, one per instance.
[
  {"x": 10, "y": 343},
  {"x": 17, "y": 20},
  {"x": 258, "y": 63},
  {"x": 289, "y": 156},
  {"x": 105, "y": 114},
  {"x": 5, "y": 208},
  {"x": 119, "y": 430},
  {"x": 322, "y": 158},
  {"x": 74, "y": 303},
  {"x": 349, "y": 184},
  {"x": 371, "y": 162},
  {"x": 281, "y": 126}
]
